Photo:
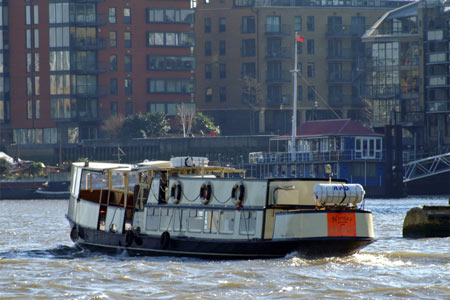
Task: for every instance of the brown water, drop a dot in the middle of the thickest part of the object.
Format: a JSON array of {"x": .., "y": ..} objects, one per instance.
[{"x": 38, "y": 261}]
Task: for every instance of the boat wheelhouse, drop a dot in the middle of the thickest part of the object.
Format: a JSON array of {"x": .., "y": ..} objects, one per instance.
[
  {"x": 184, "y": 207},
  {"x": 354, "y": 152}
]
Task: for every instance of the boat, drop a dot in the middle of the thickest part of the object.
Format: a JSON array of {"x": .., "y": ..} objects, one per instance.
[
  {"x": 56, "y": 186},
  {"x": 187, "y": 207}
]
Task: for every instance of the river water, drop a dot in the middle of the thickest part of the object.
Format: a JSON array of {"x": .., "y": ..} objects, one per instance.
[{"x": 39, "y": 261}]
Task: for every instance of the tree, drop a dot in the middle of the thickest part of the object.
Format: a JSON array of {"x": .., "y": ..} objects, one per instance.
[
  {"x": 186, "y": 116},
  {"x": 5, "y": 167},
  {"x": 204, "y": 124},
  {"x": 143, "y": 126},
  {"x": 253, "y": 97},
  {"x": 112, "y": 127}
]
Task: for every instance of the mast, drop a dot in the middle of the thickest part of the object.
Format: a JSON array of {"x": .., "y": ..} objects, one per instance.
[{"x": 294, "y": 72}]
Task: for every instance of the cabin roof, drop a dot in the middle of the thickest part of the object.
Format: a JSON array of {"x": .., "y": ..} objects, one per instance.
[{"x": 323, "y": 128}]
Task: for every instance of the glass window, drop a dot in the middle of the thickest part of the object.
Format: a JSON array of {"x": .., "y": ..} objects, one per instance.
[
  {"x": 29, "y": 86},
  {"x": 28, "y": 15},
  {"x": 29, "y": 62},
  {"x": 298, "y": 23},
  {"x": 310, "y": 23},
  {"x": 127, "y": 15},
  {"x": 207, "y": 24},
  {"x": 114, "y": 108},
  {"x": 36, "y": 62},
  {"x": 208, "y": 72},
  {"x": 222, "y": 71},
  {"x": 222, "y": 24},
  {"x": 28, "y": 38},
  {"x": 273, "y": 24},
  {"x": 128, "y": 86},
  {"x": 113, "y": 62},
  {"x": 208, "y": 94},
  {"x": 248, "y": 47},
  {"x": 37, "y": 86},
  {"x": 207, "y": 48},
  {"x": 36, "y": 38},
  {"x": 248, "y": 24},
  {"x": 128, "y": 63},
  {"x": 35, "y": 15},
  {"x": 222, "y": 47},
  {"x": 129, "y": 108},
  {"x": 127, "y": 38},
  {"x": 38, "y": 109},
  {"x": 113, "y": 86},
  {"x": 311, "y": 70},
  {"x": 112, "y": 15},
  {"x": 223, "y": 94},
  {"x": 310, "y": 45},
  {"x": 112, "y": 39},
  {"x": 29, "y": 109}
]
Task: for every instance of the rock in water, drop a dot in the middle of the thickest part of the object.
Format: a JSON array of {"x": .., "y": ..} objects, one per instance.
[{"x": 427, "y": 221}]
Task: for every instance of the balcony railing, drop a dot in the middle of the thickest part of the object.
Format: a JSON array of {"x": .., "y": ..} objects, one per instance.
[
  {"x": 88, "y": 43},
  {"x": 340, "y": 77},
  {"x": 442, "y": 106},
  {"x": 85, "y": 91},
  {"x": 277, "y": 101},
  {"x": 340, "y": 30},
  {"x": 82, "y": 21},
  {"x": 343, "y": 54},
  {"x": 313, "y": 156},
  {"x": 83, "y": 68},
  {"x": 381, "y": 91},
  {"x": 278, "y": 29},
  {"x": 280, "y": 53},
  {"x": 283, "y": 77},
  {"x": 438, "y": 81}
]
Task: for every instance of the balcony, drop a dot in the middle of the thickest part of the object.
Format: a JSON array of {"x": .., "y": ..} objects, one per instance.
[
  {"x": 280, "y": 53},
  {"x": 387, "y": 91},
  {"x": 88, "y": 43},
  {"x": 340, "y": 100},
  {"x": 279, "y": 101},
  {"x": 340, "y": 77},
  {"x": 277, "y": 30},
  {"x": 84, "y": 69},
  {"x": 341, "y": 31},
  {"x": 442, "y": 106},
  {"x": 87, "y": 91},
  {"x": 86, "y": 21},
  {"x": 437, "y": 58},
  {"x": 284, "y": 77},
  {"x": 438, "y": 81},
  {"x": 343, "y": 54}
]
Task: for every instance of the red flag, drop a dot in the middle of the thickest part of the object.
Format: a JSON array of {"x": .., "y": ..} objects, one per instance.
[{"x": 300, "y": 38}]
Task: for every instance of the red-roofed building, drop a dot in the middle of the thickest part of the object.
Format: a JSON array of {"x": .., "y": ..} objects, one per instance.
[{"x": 354, "y": 152}]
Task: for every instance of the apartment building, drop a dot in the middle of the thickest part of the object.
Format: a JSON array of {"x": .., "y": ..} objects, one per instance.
[
  {"x": 407, "y": 78},
  {"x": 74, "y": 64},
  {"x": 245, "y": 54}
]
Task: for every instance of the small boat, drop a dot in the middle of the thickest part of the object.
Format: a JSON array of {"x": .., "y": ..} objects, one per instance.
[{"x": 186, "y": 207}]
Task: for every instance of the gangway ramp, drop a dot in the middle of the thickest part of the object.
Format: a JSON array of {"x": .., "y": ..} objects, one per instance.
[{"x": 425, "y": 167}]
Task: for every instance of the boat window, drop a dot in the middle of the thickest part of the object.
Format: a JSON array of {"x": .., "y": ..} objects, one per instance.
[
  {"x": 117, "y": 180},
  {"x": 93, "y": 180},
  {"x": 132, "y": 181},
  {"x": 179, "y": 220},
  {"x": 247, "y": 223},
  {"x": 195, "y": 220},
  {"x": 211, "y": 221},
  {"x": 165, "y": 219},
  {"x": 152, "y": 221},
  {"x": 227, "y": 222}
]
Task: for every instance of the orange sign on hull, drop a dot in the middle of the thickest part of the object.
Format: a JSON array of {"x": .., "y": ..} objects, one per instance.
[{"x": 341, "y": 224}]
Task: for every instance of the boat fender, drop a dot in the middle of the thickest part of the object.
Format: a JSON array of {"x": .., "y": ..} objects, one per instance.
[
  {"x": 74, "y": 234},
  {"x": 129, "y": 237},
  {"x": 175, "y": 192},
  {"x": 165, "y": 239},
  {"x": 238, "y": 194},
  {"x": 206, "y": 192}
]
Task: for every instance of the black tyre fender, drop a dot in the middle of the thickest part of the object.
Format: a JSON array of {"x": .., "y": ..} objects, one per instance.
[
  {"x": 165, "y": 239},
  {"x": 129, "y": 238}
]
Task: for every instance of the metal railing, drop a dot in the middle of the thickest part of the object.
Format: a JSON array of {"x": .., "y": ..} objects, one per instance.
[
  {"x": 312, "y": 156},
  {"x": 430, "y": 166}
]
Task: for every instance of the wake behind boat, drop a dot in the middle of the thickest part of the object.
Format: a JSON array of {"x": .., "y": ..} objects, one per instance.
[{"x": 184, "y": 207}]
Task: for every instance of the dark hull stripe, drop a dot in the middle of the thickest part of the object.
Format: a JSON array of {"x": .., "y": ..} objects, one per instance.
[{"x": 215, "y": 248}]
